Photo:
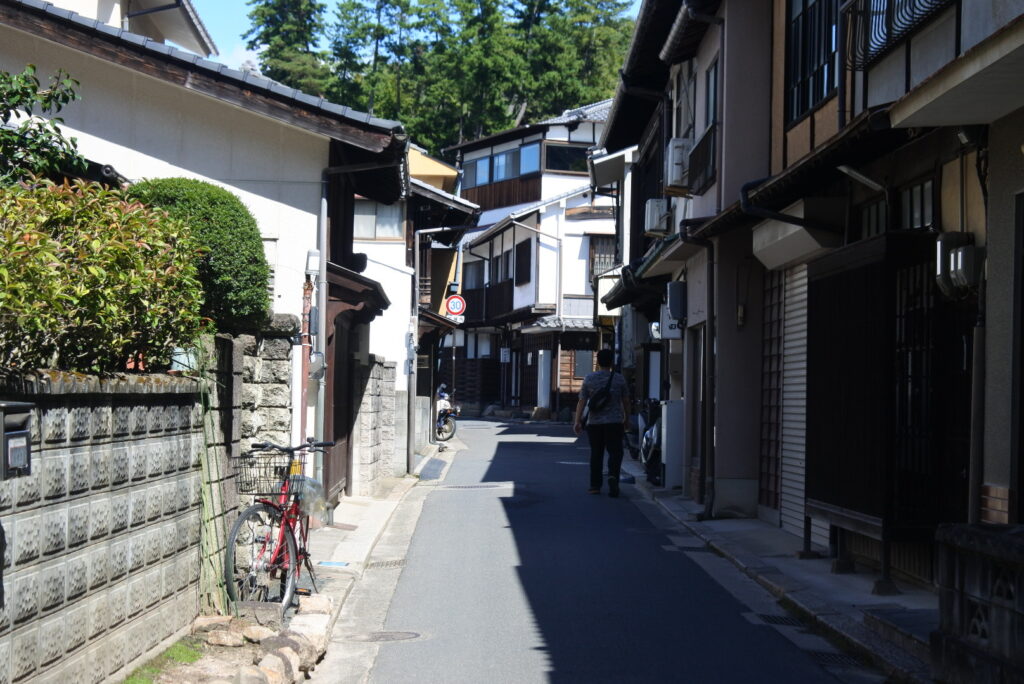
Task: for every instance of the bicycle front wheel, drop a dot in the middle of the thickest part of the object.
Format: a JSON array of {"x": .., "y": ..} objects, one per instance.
[
  {"x": 446, "y": 430},
  {"x": 261, "y": 560}
]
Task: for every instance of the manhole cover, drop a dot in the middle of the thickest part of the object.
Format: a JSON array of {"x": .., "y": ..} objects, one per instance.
[
  {"x": 383, "y": 636},
  {"x": 377, "y": 565}
]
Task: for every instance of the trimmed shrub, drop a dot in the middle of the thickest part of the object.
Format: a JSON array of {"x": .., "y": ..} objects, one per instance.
[
  {"x": 92, "y": 282},
  {"x": 232, "y": 268}
]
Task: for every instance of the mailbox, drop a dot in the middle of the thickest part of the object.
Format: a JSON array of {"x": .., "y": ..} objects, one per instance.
[{"x": 16, "y": 420}]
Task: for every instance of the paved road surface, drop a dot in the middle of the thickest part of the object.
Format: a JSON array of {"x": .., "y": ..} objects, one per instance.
[{"x": 515, "y": 574}]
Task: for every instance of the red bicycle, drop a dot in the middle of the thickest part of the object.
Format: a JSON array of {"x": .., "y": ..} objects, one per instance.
[{"x": 266, "y": 548}]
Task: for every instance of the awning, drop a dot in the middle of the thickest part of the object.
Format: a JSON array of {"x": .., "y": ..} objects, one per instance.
[
  {"x": 865, "y": 139},
  {"x": 978, "y": 87},
  {"x": 610, "y": 168},
  {"x": 351, "y": 291}
]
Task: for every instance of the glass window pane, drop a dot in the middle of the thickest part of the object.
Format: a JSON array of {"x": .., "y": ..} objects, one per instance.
[
  {"x": 469, "y": 175},
  {"x": 500, "y": 167},
  {"x": 584, "y": 363},
  {"x": 483, "y": 171},
  {"x": 529, "y": 158},
  {"x": 905, "y": 209},
  {"x": 389, "y": 220},
  {"x": 566, "y": 158},
  {"x": 365, "y": 218},
  {"x": 915, "y": 203}
]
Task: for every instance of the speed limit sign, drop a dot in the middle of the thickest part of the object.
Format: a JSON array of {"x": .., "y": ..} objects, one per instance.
[{"x": 455, "y": 305}]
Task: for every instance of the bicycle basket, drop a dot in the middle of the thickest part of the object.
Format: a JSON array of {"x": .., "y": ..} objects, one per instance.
[{"x": 262, "y": 473}]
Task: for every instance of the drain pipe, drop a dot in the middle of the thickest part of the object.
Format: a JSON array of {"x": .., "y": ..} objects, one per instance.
[
  {"x": 976, "y": 461},
  {"x": 709, "y": 373},
  {"x": 410, "y": 415}
]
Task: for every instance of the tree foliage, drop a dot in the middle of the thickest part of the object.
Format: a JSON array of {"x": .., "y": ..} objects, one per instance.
[
  {"x": 231, "y": 265},
  {"x": 451, "y": 70},
  {"x": 31, "y": 145},
  {"x": 91, "y": 281},
  {"x": 288, "y": 33}
]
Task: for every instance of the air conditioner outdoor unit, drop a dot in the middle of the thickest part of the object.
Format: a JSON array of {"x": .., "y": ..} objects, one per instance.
[
  {"x": 656, "y": 217},
  {"x": 677, "y": 166}
]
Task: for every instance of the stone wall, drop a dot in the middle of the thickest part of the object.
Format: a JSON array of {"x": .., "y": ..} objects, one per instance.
[
  {"x": 374, "y": 434},
  {"x": 266, "y": 390},
  {"x": 101, "y": 564}
]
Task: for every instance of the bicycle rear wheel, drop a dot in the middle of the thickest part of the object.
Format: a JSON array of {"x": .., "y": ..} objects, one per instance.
[{"x": 260, "y": 562}]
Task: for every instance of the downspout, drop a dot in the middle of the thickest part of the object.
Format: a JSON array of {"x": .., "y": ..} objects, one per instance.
[
  {"x": 321, "y": 324},
  {"x": 709, "y": 374},
  {"x": 321, "y": 294},
  {"x": 975, "y": 475}
]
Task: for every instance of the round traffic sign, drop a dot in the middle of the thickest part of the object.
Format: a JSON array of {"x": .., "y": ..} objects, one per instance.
[{"x": 455, "y": 305}]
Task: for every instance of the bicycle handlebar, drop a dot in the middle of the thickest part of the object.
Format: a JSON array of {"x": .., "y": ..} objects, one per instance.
[{"x": 290, "y": 449}]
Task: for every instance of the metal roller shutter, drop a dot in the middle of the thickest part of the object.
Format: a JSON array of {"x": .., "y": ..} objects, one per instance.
[{"x": 794, "y": 408}]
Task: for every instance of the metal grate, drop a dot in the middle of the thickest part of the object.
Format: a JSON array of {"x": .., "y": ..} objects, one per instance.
[
  {"x": 381, "y": 565},
  {"x": 834, "y": 658},
  {"x": 785, "y": 620},
  {"x": 476, "y": 486}
]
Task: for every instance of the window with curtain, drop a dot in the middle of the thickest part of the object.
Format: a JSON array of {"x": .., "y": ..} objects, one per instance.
[
  {"x": 473, "y": 274},
  {"x": 374, "y": 221}
]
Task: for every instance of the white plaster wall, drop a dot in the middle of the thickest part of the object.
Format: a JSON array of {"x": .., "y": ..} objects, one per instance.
[
  {"x": 107, "y": 11},
  {"x": 150, "y": 129},
  {"x": 388, "y": 331},
  {"x": 575, "y": 255},
  {"x": 553, "y": 185},
  {"x": 526, "y": 294}
]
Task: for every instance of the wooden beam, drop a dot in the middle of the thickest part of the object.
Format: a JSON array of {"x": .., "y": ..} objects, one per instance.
[{"x": 175, "y": 72}]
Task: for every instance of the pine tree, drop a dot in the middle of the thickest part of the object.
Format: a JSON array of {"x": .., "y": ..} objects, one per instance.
[{"x": 288, "y": 33}]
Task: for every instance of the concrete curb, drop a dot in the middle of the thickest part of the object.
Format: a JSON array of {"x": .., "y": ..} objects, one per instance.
[{"x": 897, "y": 663}]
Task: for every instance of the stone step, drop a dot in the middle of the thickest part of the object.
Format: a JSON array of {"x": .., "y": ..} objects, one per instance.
[{"x": 908, "y": 628}]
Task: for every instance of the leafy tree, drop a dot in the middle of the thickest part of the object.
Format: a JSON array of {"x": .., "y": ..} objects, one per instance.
[
  {"x": 288, "y": 34},
  {"x": 453, "y": 70},
  {"x": 31, "y": 145},
  {"x": 232, "y": 266},
  {"x": 90, "y": 280}
]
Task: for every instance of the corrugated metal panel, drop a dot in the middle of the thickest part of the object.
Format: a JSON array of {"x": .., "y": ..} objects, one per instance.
[{"x": 794, "y": 408}]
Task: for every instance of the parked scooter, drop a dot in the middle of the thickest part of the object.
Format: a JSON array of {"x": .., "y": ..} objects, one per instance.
[
  {"x": 444, "y": 427},
  {"x": 650, "y": 443}
]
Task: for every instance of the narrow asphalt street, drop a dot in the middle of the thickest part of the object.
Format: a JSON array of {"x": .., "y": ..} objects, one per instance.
[{"x": 506, "y": 570}]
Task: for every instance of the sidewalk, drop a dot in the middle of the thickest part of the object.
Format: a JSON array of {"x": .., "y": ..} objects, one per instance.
[
  {"x": 341, "y": 550},
  {"x": 890, "y": 631}
]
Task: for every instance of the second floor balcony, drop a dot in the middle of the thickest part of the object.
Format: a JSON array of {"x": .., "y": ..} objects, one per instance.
[{"x": 877, "y": 26}]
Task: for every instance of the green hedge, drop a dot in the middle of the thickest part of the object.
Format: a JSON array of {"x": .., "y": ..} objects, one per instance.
[
  {"x": 232, "y": 268},
  {"x": 90, "y": 281}
]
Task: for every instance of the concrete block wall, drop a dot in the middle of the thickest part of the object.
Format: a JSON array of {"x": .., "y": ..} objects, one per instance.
[
  {"x": 374, "y": 434},
  {"x": 101, "y": 562}
]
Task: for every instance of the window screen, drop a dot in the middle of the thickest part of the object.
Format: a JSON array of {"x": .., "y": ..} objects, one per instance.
[{"x": 365, "y": 219}]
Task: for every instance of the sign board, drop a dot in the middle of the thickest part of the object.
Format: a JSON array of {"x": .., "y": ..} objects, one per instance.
[
  {"x": 455, "y": 306},
  {"x": 457, "y": 319},
  {"x": 506, "y": 354}
]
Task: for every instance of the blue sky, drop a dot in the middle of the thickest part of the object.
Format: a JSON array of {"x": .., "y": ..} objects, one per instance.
[{"x": 227, "y": 20}]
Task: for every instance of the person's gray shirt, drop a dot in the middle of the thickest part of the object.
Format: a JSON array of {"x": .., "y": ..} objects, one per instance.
[{"x": 611, "y": 412}]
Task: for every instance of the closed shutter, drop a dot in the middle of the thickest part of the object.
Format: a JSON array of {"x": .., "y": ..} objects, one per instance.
[{"x": 794, "y": 408}]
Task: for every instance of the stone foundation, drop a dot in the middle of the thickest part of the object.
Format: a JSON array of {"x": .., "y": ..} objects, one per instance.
[{"x": 373, "y": 436}]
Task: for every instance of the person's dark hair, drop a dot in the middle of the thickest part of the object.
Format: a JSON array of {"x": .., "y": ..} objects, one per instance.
[{"x": 605, "y": 358}]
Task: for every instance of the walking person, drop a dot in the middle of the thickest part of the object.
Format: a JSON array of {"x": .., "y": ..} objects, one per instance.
[{"x": 606, "y": 419}]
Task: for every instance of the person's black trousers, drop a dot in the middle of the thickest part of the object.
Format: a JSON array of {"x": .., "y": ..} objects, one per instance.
[{"x": 605, "y": 436}]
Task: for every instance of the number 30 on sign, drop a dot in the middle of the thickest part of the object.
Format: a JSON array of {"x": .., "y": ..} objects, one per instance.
[{"x": 455, "y": 305}]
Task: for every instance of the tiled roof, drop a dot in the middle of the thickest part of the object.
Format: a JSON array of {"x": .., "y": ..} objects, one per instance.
[
  {"x": 564, "y": 323},
  {"x": 246, "y": 80},
  {"x": 597, "y": 111}
]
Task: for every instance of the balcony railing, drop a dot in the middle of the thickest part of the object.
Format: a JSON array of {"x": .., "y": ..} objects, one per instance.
[
  {"x": 702, "y": 161},
  {"x": 876, "y": 26},
  {"x": 499, "y": 299},
  {"x": 475, "y": 304}
]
